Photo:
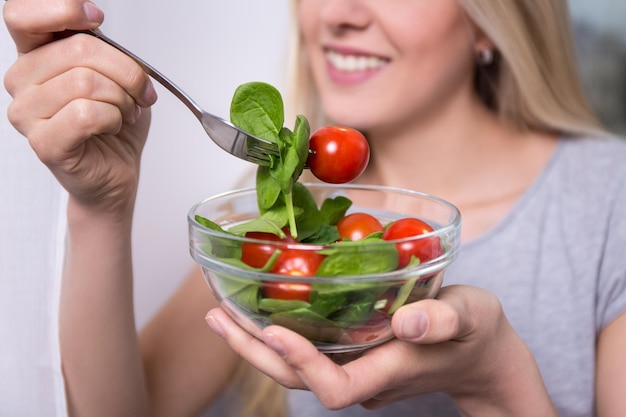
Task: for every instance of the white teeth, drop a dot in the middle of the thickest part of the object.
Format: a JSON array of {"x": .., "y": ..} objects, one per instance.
[{"x": 353, "y": 63}]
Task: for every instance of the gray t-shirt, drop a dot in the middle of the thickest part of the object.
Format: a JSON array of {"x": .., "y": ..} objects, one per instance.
[{"x": 557, "y": 262}]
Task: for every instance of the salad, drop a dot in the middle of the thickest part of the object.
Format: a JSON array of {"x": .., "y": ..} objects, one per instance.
[{"x": 295, "y": 237}]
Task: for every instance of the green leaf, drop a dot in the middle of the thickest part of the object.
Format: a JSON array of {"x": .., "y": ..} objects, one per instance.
[
  {"x": 309, "y": 220},
  {"x": 326, "y": 234},
  {"x": 258, "y": 108},
  {"x": 274, "y": 305},
  {"x": 272, "y": 221},
  {"x": 333, "y": 209},
  {"x": 247, "y": 297},
  {"x": 309, "y": 324},
  {"x": 267, "y": 189},
  {"x": 361, "y": 257},
  {"x": 355, "y": 313},
  {"x": 220, "y": 247}
]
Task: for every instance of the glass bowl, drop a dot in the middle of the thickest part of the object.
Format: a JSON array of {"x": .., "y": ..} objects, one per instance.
[{"x": 338, "y": 313}]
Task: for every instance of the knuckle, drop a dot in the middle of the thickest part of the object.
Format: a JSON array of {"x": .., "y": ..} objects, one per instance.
[
  {"x": 14, "y": 113},
  {"x": 83, "y": 81},
  {"x": 43, "y": 146},
  {"x": 85, "y": 115},
  {"x": 10, "y": 81},
  {"x": 91, "y": 117},
  {"x": 17, "y": 116},
  {"x": 334, "y": 400},
  {"x": 80, "y": 45},
  {"x": 11, "y": 15},
  {"x": 137, "y": 78}
]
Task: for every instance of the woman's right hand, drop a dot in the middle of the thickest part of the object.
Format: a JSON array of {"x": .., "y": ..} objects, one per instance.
[{"x": 81, "y": 103}]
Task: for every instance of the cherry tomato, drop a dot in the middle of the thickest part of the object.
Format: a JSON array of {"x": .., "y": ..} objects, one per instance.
[
  {"x": 356, "y": 226},
  {"x": 424, "y": 249},
  {"x": 295, "y": 262},
  {"x": 257, "y": 254},
  {"x": 287, "y": 290},
  {"x": 338, "y": 154}
]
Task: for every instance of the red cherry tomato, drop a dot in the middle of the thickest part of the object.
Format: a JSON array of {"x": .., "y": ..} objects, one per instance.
[
  {"x": 287, "y": 290},
  {"x": 338, "y": 154},
  {"x": 356, "y": 226},
  {"x": 295, "y": 262},
  {"x": 424, "y": 249},
  {"x": 257, "y": 254}
]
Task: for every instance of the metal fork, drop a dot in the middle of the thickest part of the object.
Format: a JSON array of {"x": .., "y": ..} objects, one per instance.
[{"x": 227, "y": 136}]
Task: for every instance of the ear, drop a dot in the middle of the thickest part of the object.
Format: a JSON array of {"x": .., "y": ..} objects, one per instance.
[{"x": 482, "y": 42}]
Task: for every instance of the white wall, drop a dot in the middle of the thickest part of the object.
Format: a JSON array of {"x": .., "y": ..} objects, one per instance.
[{"x": 207, "y": 48}]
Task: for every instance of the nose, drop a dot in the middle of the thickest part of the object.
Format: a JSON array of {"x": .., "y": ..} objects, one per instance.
[{"x": 342, "y": 15}]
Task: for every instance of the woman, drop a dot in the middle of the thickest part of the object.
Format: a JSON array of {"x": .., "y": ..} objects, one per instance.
[{"x": 472, "y": 100}]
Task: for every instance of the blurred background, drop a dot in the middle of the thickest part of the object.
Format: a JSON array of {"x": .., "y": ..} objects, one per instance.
[{"x": 600, "y": 36}]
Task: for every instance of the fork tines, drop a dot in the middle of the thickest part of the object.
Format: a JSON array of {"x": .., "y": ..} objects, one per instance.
[{"x": 261, "y": 152}]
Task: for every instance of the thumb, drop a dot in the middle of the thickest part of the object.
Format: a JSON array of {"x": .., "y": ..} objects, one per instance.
[
  {"x": 448, "y": 317},
  {"x": 33, "y": 23}
]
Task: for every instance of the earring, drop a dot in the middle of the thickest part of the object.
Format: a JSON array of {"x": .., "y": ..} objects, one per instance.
[{"x": 485, "y": 57}]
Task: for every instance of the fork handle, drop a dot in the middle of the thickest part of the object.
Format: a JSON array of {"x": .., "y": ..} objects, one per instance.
[{"x": 150, "y": 70}]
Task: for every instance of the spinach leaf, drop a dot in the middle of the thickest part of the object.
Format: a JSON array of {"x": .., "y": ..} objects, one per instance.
[
  {"x": 361, "y": 257},
  {"x": 333, "y": 209},
  {"x": 258, "y": 108},
  {"x": 219, "y": 247}
]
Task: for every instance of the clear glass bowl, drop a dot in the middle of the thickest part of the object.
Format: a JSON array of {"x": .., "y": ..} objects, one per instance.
[{"x": 342, "y": 313}]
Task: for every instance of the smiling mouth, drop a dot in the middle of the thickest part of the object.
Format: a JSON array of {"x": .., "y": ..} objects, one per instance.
[{"x": 355, "y": 63}]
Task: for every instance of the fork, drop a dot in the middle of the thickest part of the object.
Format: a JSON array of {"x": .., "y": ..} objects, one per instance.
[{"x": 227, "y": 136}]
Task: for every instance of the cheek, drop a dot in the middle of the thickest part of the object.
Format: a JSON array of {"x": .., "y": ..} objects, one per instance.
[
  {"x": 435, "y": 57},
  {"x": 439, "y": 33},
  {"x": 306, "y": 13}
]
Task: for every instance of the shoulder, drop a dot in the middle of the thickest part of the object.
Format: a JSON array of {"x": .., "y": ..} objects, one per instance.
[
  {"x": 591, "y": 163},
  {"x": 594, "y": 151}
]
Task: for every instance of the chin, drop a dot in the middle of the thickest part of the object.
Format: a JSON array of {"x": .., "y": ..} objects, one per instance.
[{"x": 354, "y": 116}]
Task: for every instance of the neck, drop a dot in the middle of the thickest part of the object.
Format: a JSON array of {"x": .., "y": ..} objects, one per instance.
[{"x": 471, "y": 159}]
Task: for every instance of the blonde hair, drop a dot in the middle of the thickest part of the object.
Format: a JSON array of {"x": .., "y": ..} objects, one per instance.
[
  {"x": 533, "y": 83},
  {"x": 256, "y": 395}
]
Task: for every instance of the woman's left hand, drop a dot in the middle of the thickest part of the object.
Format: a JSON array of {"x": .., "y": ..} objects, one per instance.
[{"x": 460, "y": 343}]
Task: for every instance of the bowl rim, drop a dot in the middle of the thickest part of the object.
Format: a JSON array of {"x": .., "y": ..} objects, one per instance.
[
  {"x": 426, "y": 268},
  {"x": 455, "y": 223}
]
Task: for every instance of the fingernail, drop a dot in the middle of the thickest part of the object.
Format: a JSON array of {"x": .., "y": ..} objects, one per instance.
[
  {"x": 149, "y": 95},
  {"x": 214, "y": 325},
  {"x": 414, "y": 325},
  {"x": 92, "y": 12},
  {"x": 275, "y": 344}
]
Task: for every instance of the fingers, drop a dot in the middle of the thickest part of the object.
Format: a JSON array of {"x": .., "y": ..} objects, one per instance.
[
  {"x": 252, "y": 349},
  {"x": 438, "y": 346},
  {"x": 381, "y": 369},
  {"x": 32, "y": 23},
  {"x": 294, "y": 362},
  {"x": 334, "y": 387},
  {"x": 30, "y": 114},
  {"x": 80, "y": 50},
  {"x": 73, "y": 89}
]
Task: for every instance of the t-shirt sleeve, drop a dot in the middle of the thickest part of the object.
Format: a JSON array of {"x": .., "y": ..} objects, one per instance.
[{"x": 612, "y": 282}]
